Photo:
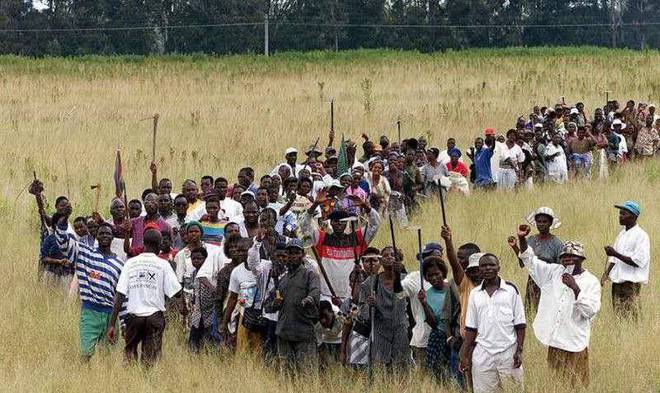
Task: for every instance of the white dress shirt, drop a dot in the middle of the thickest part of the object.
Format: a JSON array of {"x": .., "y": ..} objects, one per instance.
[
  {"x": 562, "y": 321},
  {"x": 229, "y": 210},
  {"x": 494, "y": 317},
  {"x": 633, "y": 243}
]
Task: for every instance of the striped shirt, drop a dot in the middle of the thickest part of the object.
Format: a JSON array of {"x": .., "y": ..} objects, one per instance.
[
  {"x": 97, "y": 273},
  {"x": 214, "y": 232}
]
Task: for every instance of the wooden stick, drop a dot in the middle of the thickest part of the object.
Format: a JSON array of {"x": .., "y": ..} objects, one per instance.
[
  {"x": 323, "y": 272},
  {"x": 372, "y": 312},
  {"x": 66, "y": 173},
  {"x": 153, "y": 142},
  {"x": 398, "y": 130},
  {"x": 419, "y": 257},
  {"x": 332, "y": 115},
  {"x": 97, "y": 187},
  {"x": 397, "y": 275},
  {"x": 442, "y": 205}
]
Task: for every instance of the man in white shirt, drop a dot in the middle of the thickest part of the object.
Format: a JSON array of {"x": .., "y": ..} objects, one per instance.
[
  {"x": 628, "y": 262},
  {"x": 443, "y": 156},
  {"x": 229, "y": 208},
  {"x": 145, "y": 280},
  {"x": 570, "y": 299},
  {"x": 495, "y": 331}
]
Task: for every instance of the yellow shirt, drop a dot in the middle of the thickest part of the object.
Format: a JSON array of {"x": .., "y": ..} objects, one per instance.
[{"x": 464, "y": 295}]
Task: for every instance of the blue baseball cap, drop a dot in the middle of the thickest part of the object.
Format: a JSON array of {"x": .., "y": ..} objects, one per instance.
[
  {"x": 631, "y": 206},
  {"x": 430, "y": 249}
]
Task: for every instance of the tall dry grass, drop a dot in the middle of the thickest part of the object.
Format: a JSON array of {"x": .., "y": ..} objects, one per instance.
[{"x": 247, "y": 110}]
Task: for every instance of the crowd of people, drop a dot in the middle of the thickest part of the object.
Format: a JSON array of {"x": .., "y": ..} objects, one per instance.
[{"x": 284, "y": 267}]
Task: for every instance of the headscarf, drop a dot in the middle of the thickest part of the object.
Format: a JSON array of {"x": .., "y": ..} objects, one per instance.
[
  {"x": 195, "y": 224},
  {"x": 454, "y": 152}
]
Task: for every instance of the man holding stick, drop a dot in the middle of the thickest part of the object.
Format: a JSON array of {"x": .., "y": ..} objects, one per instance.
[
  {"x": 97, "y": 271},
  {"x": 336, "y": 249}
]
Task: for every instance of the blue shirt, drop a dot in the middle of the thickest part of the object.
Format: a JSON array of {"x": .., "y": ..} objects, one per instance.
[
  {"x": 436, "y": 300},
  {"x": 97, "y": 273},
  {"x": 482, "y": 166},
  {"x": 50, "y": 248}
]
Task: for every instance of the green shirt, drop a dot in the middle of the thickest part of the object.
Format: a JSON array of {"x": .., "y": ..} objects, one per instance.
[{"x": 436, "y": 300}]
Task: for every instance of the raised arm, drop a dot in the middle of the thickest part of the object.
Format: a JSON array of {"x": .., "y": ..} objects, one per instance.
[
  {"x": 456, "y": 268},
  {"x": 254, "y": 262},
  {"x": 65, "y": 241},
  {"x": 539, "y": 271},
  {"x": 307, "y": 227},
  {"x": 373, "y": 222},
  {"x": 154, "y": 178}
]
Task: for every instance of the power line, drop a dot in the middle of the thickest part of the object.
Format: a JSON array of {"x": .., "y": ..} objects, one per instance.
[{"x": 333, "y": 25}]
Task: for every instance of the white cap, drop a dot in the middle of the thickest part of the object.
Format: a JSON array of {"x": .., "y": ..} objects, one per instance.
[
  {"x": 335, "y": 183},
  {"x": 651, "y": 105},
  {"x": 473, "y": 261},
  {"x": 538, "y": 125},
  {"x": 574, "y": 111},
  {"x": 290, "y": 150},
  {"x": 250, "y": 193}
]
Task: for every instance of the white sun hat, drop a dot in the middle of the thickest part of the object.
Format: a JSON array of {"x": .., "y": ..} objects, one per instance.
[
  {"x": 531, "y": 217},
  {"x": 618, "y": 122}
]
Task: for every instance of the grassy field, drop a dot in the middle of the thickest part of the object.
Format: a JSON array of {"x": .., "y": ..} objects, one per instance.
[{"x": 63, "y": 118}]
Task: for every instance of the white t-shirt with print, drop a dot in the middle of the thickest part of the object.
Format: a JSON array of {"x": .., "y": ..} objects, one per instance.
[
  {"x": 243, "y": 283},
  {"x": 145, "y": 280}
]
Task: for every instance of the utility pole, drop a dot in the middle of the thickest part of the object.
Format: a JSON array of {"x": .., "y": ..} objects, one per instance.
[{"x": 266, "y": 44}]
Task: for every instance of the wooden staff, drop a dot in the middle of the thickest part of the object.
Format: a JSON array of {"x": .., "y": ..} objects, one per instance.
[
  {"x": 442, "y": 205},
  {"x": 96, "y": 187},
  {"x": 40, "y": 207},
  {"x": 153, "y": 141},
  {"x": 398, "y": 130},
  {"x": 323, "y": 272},
  {"x": 419, "y": 257},
  {"x": 372, "y": 312},
  {"x": 66, "y": 173},
  {"x": 607, "y": 98},
  {"x": 397, "y": 275},
  {"x": 332, "y": 115}
]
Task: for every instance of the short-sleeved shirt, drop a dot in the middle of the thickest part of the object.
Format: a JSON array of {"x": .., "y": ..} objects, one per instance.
[
  {"x": 464, "y": 288},
  {"x": 547, "y": 250},
  {"x": 145, "y": 280},
  {"x": 137, "y": 229},
  {"x": 243, "y": 283},
  {"x": 495, "y": 317},
  {"x": 635, "y": 244},
  {"x": 50, "y": 248},
  {"x": 214, "y": 232},
  {"x": 436, "y": 300}
]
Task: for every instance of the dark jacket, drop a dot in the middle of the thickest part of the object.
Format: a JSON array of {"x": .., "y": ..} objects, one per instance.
[
  {"x": 451, "y": 314},
  {"x": 295, "y": 321}
]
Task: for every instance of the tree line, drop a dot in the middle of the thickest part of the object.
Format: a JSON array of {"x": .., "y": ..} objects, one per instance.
[{"x": 79, "y": 27}]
